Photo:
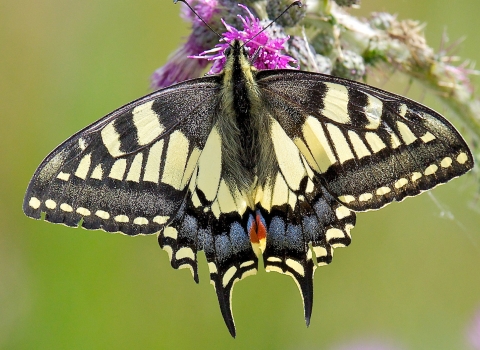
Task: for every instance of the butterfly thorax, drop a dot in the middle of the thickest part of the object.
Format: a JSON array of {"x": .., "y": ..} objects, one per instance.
[{"x": 247, "y": 155}]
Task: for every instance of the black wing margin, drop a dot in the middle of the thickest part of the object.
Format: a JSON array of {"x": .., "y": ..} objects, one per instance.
[{"x": 129, "y": 171}]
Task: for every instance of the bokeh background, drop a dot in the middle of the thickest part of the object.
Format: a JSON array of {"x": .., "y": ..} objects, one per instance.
[{"x": 409, "y": 280}]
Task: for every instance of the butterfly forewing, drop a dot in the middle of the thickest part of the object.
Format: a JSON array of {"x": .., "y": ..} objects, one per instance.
[
  {"x": 368, "y": 147},
  {"x": 129, "y": 171}
]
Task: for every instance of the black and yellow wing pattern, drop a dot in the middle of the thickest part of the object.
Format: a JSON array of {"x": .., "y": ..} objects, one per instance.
[{"x": 248, "y": 163}]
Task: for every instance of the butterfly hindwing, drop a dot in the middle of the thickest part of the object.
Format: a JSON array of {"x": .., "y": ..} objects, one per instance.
[
  {"x": 213, "y": 218},
  {"x": 300, "y": 216},
  {"x": 129, "y": 171},
  {"x": 369, "y": 147}
]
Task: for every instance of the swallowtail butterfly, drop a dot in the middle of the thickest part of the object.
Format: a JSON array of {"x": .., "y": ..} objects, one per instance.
[{"x": 247, "y": 163}]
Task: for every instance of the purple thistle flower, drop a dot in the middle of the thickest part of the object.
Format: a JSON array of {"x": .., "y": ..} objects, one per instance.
[
  {"x": 269, "y": 56},
  {"x": 205, "y": 8},
  {"x": 179, "y": 67}
]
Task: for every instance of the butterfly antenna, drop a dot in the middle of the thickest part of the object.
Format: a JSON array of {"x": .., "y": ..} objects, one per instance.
[
  {"x": 295, "y": 3},
  {"x": 201, "y": 19}
]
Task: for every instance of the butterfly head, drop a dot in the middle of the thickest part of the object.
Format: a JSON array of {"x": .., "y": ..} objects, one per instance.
[
  {"x": 236, "y": 49},
  {"x": 237, "y": 59}
]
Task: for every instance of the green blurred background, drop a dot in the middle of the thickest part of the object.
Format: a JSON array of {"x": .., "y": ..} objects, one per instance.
[{"x": 410, "y": 279}]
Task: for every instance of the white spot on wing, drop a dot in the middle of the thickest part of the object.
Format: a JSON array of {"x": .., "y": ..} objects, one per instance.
[
  {"x": 295, "y": 266},
  {"x": 195, "y": 200},
  {"x": 210, "y": 165},
  {"x": 336, "y": 103},
  {"x": 225, "y": 200},
  {"x": 374, "y": 141},
  {"x": 416, "y": 176},
  {"x": 309, "y": 171},
  {"x": 403, "y": 110},
  {"x": 306, "y": 155},
  {"x": 191, "y": 164},
  {"x": 342, "y": 212},
  {"x": 81, "y": 144},
  {"x": 333, "y": 233},
  {"x": 66, "y": 207},
  {"x": 280, "y": 191},
  {"x": 462, "y": 158},
  {"x": 121, "y": 218},
  {"x": 185, "y": 252},
  {"x": 428, "y": 137},
  {"x": 240, "y": 202},
  {"x": 135, "y": 169},
  {"x": 50, "y": 204},
  {"x": 118, "y": 169},
  {"x": 34, "y": 203},
  {"x": 318, "y": 143},
  {"x": 102, "y": 214},
  {"x": 431, "y": 169},
  {"x": 373, "y": 112},
  {"x": 292, "y": 200},
  {"x": 147, "y": 123},
  {"x": 187, "y": 266},
  {"x": 359, "y": 147},
  {"x": 176, "y": 159},
  {"x": 140, "y": 221},
  {"x": 83, "y": 211},
  {"x": 320, "y": 251},
  {"x": 212, "y": 268},
  {"x": 247, "y": 263},
  {"x": 152, "y": 167},
  {"x": 111, "y": 140},
  {"x": 169, "y": 251},
  {"x": 274, "y": 259},
  {"x": 400, "y": 183},
  {"x": 394, "y": 140},
  {"x": 247, "y": 273},
  {"x": 365, "y": 197},
  {"x": 407, "y": 135},
  {"x": 161, "y": 219},
  {"x": 170, "y": 232},
  {"x": 97, "y": 172},
  {"x": 84, "y": 166},
  {"x": 215, "y": 209},
  {"x": 341, "y": 145},
  {"x": 288, "y": 156},
  {"x": 228, "y": 275},
  {"x": 346, "y": 199},
  {"x": 446, "y": 162},
  {"x": 310, "y": 186},
  {"x": 383, "y": 190},
  {"x": 270, "y": 268},
  {"x": 63, "y": 176}
]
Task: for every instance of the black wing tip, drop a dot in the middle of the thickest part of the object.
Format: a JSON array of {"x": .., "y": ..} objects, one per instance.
[
  {"x": 232, "y": 331},
  {"x": 224, "y": 297},
  {"x": 225, "y": 308},
  {"x": 308, "y": 305}
]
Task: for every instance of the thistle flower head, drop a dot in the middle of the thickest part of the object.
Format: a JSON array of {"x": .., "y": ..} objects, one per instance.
[
  {"x": 267, "y": 44},
  {"x": 205, "y": 9}
]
